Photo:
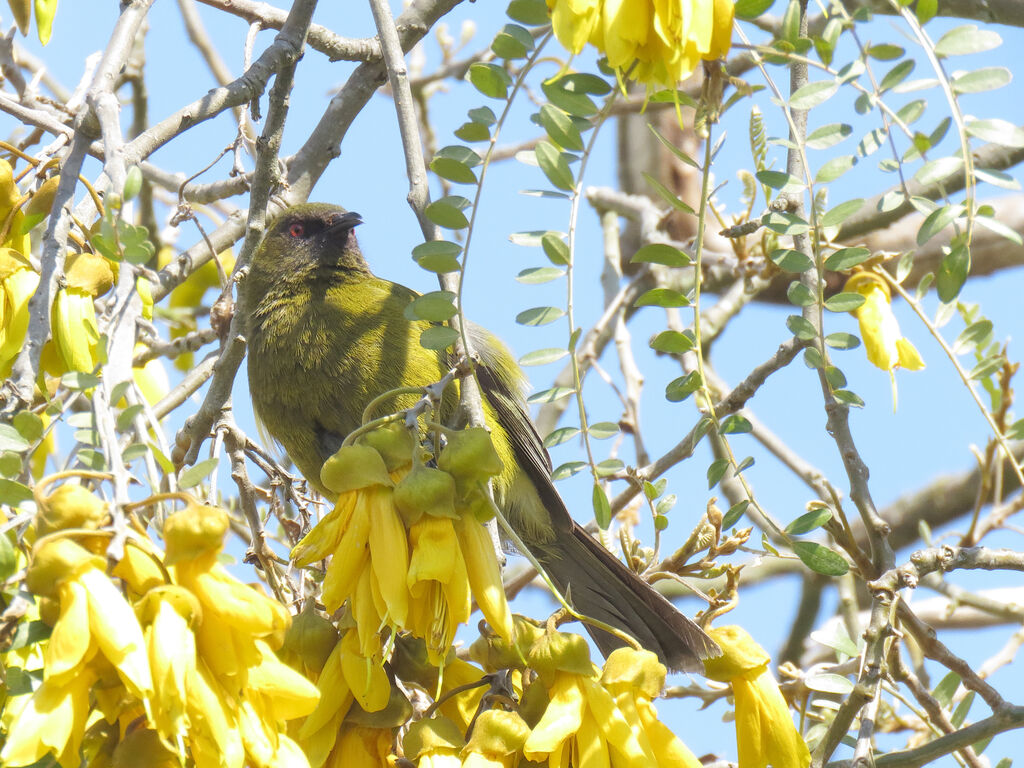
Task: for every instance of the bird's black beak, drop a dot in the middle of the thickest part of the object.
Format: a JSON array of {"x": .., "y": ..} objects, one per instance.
[{"x": 344, "y": 222}]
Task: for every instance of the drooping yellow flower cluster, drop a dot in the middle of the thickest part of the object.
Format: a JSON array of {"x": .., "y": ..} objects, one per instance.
[
  {"x": 569, "y": 712},
  {"x": 656, "y": 42},
  {"x": 407, "y": 550},
  {"x": 885, "y": 346},
  {"x": 183, "y": 659},
  {"x": 765, "y": 734}
]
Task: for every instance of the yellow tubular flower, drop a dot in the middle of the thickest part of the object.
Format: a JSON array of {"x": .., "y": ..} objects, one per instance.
[
  {"x": 433, "y": 743},
  {"x": 438, "y": 584},
  {"x": 764, "y": 728},
  {"x": 92, "y": 610},
  {"x": 657, "y": 42},
  {"x": 52, "y": 722},
  {"x": 484, "y": 575},
  {"x": 883, "y": 342},
  {"x": 634, "y": 678},
  {"x": 18, "y": 281},
  {"x": 361, "y": 747},
  {"x": 582, "y": 724},
  {"x": 171, "y": 612}
]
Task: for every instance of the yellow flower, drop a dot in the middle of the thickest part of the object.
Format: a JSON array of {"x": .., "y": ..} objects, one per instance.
[
  {"x": 94, "y": 616},
  {"x": 635, "y": 678},
  {"x": 651, "y": 41},
  {"x": 764, "y": 728},
  {"x": 73, "y": 316},
  {"x": 582, "y": 724},
  {"x": 885, "y": 345},
  {"x": 404, "y": 552},
  {"x": 362, "y": 747},
  {"x": 171, "y": 612},
  {"x": 18, "y": 281},
  {"x": 52, "y": 721}
]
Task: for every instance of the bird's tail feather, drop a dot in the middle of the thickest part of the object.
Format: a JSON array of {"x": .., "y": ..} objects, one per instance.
[{"x": 601, "y": 587}]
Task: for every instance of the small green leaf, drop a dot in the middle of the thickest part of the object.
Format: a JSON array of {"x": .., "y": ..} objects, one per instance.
[
  {"x": 490, "y": 79},
  {"x": 801, "y": 327},
  {"x": 828, "y": 135},
  {"x": 785, "y": 223},
  {"x": 841, "y": 340},
  {"x": 565, "y": 95},
  {"x": 538, "y": 275},
  {"x": 555, "y": 248},
  {"x": 438, "y": 337},
  {"x": 661, "y": 253},
  {"x": 14, "y": 493},
  {"x": 539, "y": 315},
  {"x": 967, "y": 39},
  {"x": 560, "y": 435},
  {"x": 776, "y": 179},
  {"x": 602, "y": 430},
  {"x": 561, "y": 128},
  {"x": 840, "y": 213},
  {"x": 608, "y": 467},
  {"x": 568, "y": 469},
  {"x": 962, "y": 709},
  {"x": 952, "y": 273},
  {"x": 820, "y": 558},
  {"x": 808, "y": 521},
  {"x": 11, "y": 439},
  {"x": 79, "y": 381},
  {"x": 438, "y": 256},
  {"x": 716, "y": 471},
  {"x": 997, "y": 131},
  {"x": 734, "y": 514},
  {"x": 885, "y": 52},
  {"x": 555, "y": 165},
  {"x": 681, "y": 388},
  {"x": 799, "y": 294},
  {"x": 127, "y": 416},
  {"x": 977, "y": 334},
  {"x": 897, "y": 74},
  {"x": 667, "y": 194},
  {"x": 434, "y": 307},
  {"x": 533, "y": 13},
  {"x": 602, "y": 509},
  {"x": 512, "y": 42},
  {"x": 846, "y": 397},
  {"x": 844, "y": 302},
  {"x": 751, "y": 9},
  {"x": 811, "y": 95},
  {"x": 847, "y": 258},
  {"x": 662, "y": 297},
  {"x": 789, "y": 260},
  {"x": 550, "y": 395},
  {"x": 543, "y": 356},
  {"x": 194, "y": 475},
  {"x": 981, "y": 80},
  {"x": 447, "y": 212},
  {"x": 835, "y": 168},
  {"x": 673, "y": 342},
  {"x": 946, "y": 688},
  {"x": 736, "y": 424}
]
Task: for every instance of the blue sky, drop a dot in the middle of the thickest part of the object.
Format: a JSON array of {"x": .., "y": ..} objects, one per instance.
[{"x": 929, "y": 434}]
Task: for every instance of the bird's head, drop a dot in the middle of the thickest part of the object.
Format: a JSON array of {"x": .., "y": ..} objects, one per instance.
[{"x": 309, "y": 238}]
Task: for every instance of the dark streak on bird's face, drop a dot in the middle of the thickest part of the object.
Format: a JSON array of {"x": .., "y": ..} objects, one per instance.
[{"x": 314, "y": 237}]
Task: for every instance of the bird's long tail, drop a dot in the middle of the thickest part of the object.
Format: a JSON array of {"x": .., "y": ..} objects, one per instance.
[{"x": 601, "y": 587}]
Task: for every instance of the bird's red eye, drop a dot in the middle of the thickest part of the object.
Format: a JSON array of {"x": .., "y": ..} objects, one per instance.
[{"x": 296, "y": 230}]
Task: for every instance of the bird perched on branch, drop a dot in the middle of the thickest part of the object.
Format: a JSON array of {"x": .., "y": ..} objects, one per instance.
[{"x": 326, "y": 337}]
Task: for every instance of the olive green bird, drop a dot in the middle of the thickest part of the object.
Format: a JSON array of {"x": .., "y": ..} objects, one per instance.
[{"x": 325, "y": 337}]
